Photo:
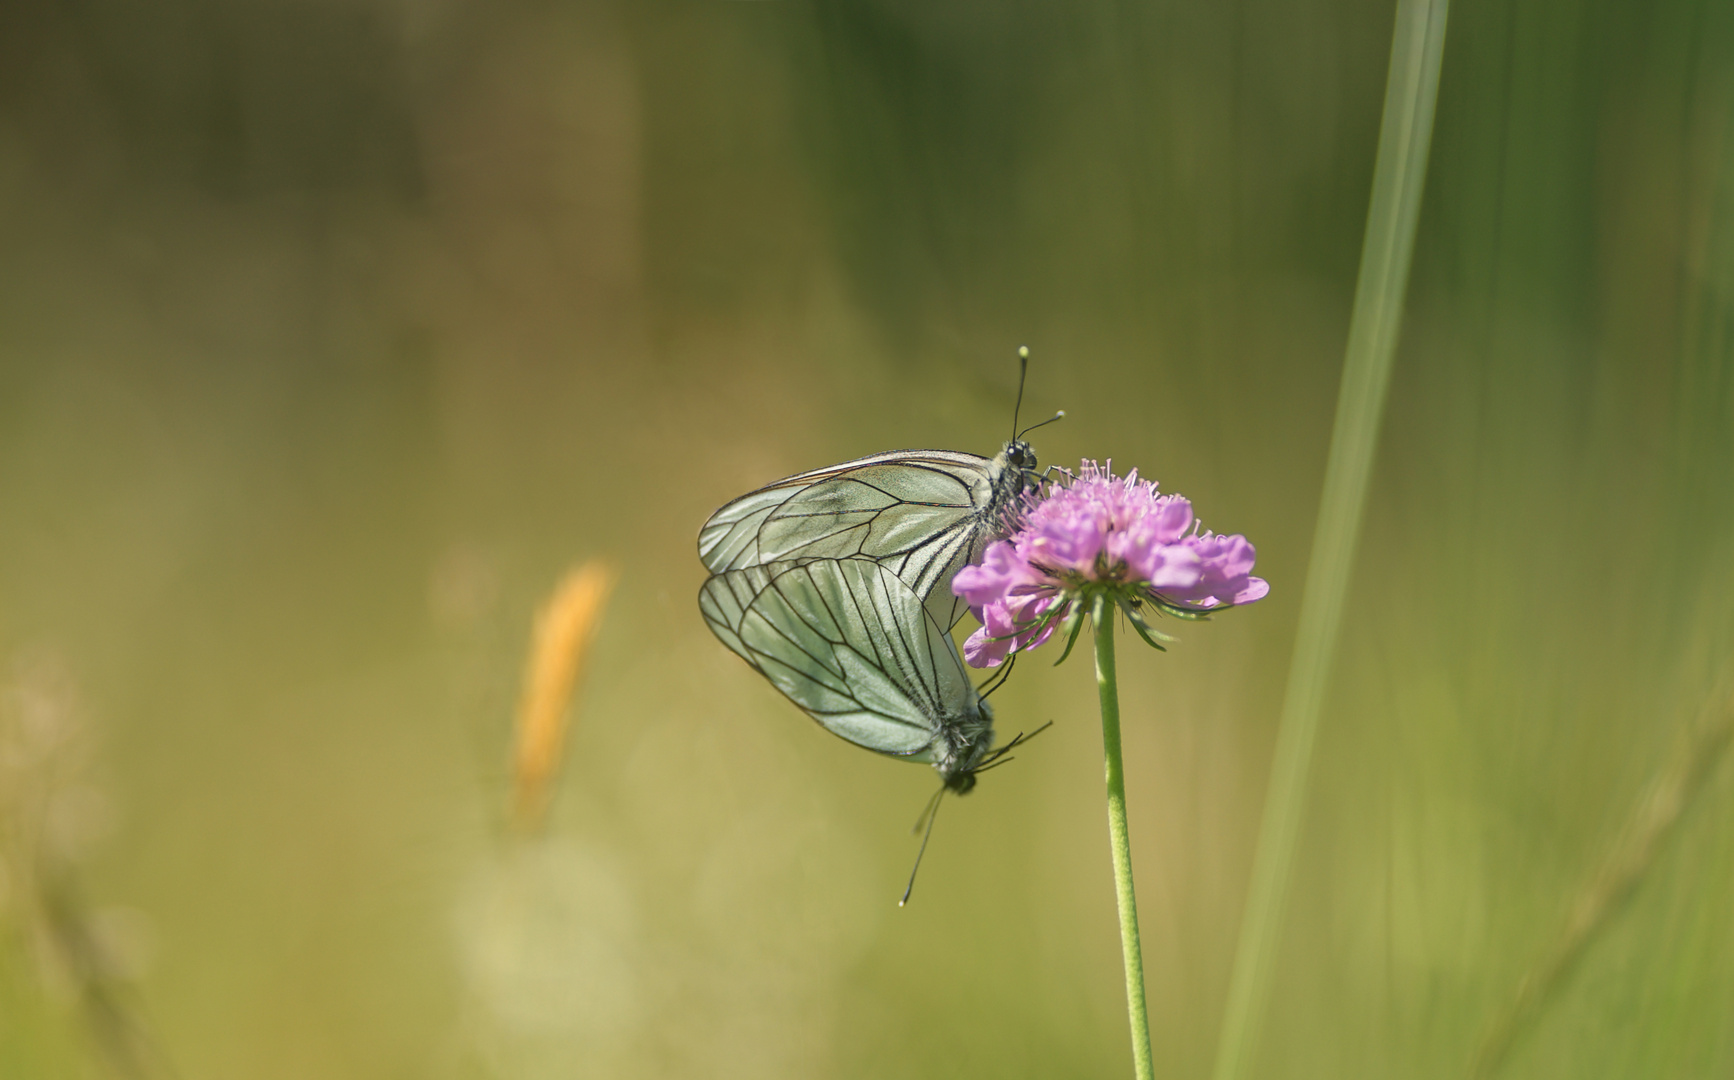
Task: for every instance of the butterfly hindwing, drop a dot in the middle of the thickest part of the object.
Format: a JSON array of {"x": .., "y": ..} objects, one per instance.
[{"x": 849, "y": 642}]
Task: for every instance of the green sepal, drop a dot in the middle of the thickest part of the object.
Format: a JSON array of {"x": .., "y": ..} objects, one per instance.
[
  {"x": 1189, "y": 614},
  {"x": 1074, "y": 623},
  {"x": 1045, "y": 621},
  {"x": 1145, "y": 631}
]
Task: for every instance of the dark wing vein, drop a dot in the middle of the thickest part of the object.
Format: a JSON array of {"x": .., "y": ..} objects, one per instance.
[
  {"x": 824, "y": 662},
  {"x": 787, "y": 645},
  {"x": 912, "y": 675},
  {"x": 735, "y": 535}
]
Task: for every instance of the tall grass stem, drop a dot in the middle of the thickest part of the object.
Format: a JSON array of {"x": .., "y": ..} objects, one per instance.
[
  {"x": 1622, "y": 869},
  {"x": 1130, "y": 947},
  {"x": 1399, "y": 172}
]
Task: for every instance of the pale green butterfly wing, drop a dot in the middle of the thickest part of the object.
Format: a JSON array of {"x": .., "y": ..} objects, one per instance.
[
  {"x": 922, "y": 514},
  {"x": 851, "y": 644}
]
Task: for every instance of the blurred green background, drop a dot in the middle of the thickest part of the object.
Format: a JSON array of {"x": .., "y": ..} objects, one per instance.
[{"x": 333, "y": 331}]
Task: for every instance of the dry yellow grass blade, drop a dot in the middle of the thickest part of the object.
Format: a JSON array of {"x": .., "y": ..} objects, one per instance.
[{"x": 565, "y": 629}]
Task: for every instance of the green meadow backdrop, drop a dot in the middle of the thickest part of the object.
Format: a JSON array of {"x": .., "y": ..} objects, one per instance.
[{"x": 332, "y": 332}]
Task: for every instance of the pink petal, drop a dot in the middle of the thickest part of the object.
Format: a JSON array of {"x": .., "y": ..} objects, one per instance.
[
  {"x": 1256, "y": 589},
  {"x": 982, "y": 651}
]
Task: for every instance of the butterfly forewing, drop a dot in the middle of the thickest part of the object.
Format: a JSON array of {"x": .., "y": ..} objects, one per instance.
[
  {"x": 922, "y": 514},
  {"x": 723, "y": 602}
]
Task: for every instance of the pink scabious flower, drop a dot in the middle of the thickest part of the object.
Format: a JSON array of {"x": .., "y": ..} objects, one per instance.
[{"x": 1099, "y": 537}]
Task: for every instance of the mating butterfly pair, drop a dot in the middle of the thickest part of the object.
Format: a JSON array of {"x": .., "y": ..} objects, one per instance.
[{"x": 835, "y": 585}]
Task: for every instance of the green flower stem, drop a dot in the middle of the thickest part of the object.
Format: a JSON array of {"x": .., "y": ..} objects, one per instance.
[{"x": 1101, "y": 616}]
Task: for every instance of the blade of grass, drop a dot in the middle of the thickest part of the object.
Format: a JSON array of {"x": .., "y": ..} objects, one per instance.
[
  {"x": 1629, "y": 858},
  {"x": 1700, "y": 468},
  {"x": 1399, "y": 172},
  {"x": 559, "y": 650}
]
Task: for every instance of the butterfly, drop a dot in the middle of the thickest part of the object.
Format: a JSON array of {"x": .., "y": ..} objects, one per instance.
[
  {"x": 835, "y": 585},
  {"x": 852, "y": 644},
  {"x": 922, "y": 514}
]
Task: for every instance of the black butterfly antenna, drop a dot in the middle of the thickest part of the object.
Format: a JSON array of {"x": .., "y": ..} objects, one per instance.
[
  {"x": 1023, "y": 374},
  {"x": 1061, "y": 415},
  {"x": 1023, "y": 370},
  {"x": 930, "y": 813},
  {"x": 928, "y": 816}
]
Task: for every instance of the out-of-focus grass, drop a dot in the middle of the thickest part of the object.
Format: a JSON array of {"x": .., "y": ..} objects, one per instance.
[
  {"x": 1628, "y": 862},
  {"x": 328, "y": 337},
  {"x": 1381, "y": 288},
  {"x": 565, "y": 631}
]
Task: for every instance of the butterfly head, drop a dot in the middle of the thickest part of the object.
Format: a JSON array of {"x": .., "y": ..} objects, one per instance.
[
  {"x": 1016, "y": 474},
  {"x": 1020, "y": 455}
]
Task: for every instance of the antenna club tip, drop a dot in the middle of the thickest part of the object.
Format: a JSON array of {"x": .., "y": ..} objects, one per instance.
[
  {"x": 1023, "y": 352},
  {"x": 1061, "y": 415},
  {"x": 903, "y": 901}
]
